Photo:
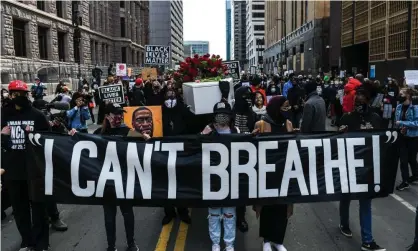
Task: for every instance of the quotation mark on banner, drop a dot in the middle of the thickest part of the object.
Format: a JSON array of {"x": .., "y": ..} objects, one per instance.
[
  {"x": 34, "y": 139},
  {"x": 389, "y": 134}
]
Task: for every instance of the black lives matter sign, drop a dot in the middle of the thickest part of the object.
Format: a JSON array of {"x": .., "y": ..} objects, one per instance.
[
  {"x": 233, "y": 69},
  {"x": 157, "y": 55},
  {"x": 112, "y": 94}
]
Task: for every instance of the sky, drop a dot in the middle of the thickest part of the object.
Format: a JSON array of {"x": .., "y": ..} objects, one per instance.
[{"x": 205, "y": 20}]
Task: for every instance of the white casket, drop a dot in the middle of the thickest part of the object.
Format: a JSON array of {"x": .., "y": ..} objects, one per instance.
[{"x": 202, "y": 97}]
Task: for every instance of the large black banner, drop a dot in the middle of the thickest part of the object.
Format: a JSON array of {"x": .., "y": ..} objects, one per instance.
[{"x": 198, "y": 171}]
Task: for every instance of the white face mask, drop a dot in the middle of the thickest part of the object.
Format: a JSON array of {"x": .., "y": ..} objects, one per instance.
[
  {"x": 170, "y": 103},
  {"x": 5, "y": 95}
]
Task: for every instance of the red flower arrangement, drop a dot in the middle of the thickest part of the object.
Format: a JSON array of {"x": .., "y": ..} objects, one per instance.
[{"x": 203, "y": 68}]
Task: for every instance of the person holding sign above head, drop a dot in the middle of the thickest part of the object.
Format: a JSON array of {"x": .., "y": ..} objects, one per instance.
[
  {"x": 362, "y": 118},
  {"x": 113, "y": 126},
  {"x": 222, "y": 124},
  {"x": 273, "y": 218},
  {"x": 79, "y": 114}
]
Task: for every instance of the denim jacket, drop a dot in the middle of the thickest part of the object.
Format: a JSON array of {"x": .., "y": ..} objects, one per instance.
[
  {"x": 411, "y": 122},
  {"x": 77, "y": 117}
]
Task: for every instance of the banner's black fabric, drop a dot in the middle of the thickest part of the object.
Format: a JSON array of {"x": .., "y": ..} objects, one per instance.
[{"x": 295, "y": 168}]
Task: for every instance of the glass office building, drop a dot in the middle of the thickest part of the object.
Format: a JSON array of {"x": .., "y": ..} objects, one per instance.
[{"x": 197, "y": 47}]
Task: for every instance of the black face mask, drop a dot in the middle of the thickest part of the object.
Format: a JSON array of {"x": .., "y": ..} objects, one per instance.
[
  {"x": 21, "y": 101},
  {"x": 401, "y": 99},
  {"x": 361, "y": 108}
]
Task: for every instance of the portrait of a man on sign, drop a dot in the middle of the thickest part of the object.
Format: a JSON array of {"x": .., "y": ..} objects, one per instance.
[{"x": 144, "y": 120}]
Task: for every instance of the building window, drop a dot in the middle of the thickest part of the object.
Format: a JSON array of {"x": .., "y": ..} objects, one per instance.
[
  {"x": 60, "y": 11},
  {"x": 40, "y": 5},
  {"x": 124, "y": 55},
  {"x": 258, "y": 14},
  {"x": 138, "y": 59},
  {"x": 19, "y": 37},
  {"x": 133, "y": 57},
  {"x": 258, "y": 27},
  {"x": 122, "y": 4},
  {"x": 92, "y": 51},
  {"x": 42, "y": 42},
  {"x": 76, "y": 51},
  {"x": 258, "y": 7},
  {"x": 302, "y": 48},
  {"x": 61, "y": 45},
  {"x": 122, "y": 27}
]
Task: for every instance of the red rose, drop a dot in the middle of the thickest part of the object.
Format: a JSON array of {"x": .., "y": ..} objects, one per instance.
[
  {"x": 213, "y": 56},
  {"x": 226, "y": 72},
  {"x": 188, "y": 59},
  {"x": 193, "y": 72},
  {"x": 196, "y": 61},
  {"x": 196, "y": 56},
  {"x": 187, "y": 78}
]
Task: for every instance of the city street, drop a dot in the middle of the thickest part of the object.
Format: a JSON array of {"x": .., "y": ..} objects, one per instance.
[{"x": 312, "y": 227}]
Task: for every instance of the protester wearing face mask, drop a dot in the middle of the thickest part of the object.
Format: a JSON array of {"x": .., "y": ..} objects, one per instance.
[
  {"x": 79, "y": 114},
  {"x": 88, "y": 96},
  {"x": 113, "y": 126},
  {"x": 26, "y": 189},
  {"x": 244, "y": 116},
  {"x": 406, "y": 116},
  {"x": 256, "y": 85},
  {"x": 5, "y": 99},
  {"x": 289, "y": 84},
  {"x": 387, "y": 108},
  {"x": 314, "y": 111},
  {"x": 154, "y": 94},
  {"x": 362, "y": 118},
  {"x": 222, "y": 124},
  {"x": 274, "y": 87},
  {"x": 273, "y": 218},
  {"x": 295, "y": 97},
  {"x": 175, "y": 121}
]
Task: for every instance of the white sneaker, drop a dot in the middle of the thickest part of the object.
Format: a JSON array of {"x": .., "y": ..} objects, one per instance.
[
  {"x": 267, "y": 246},
  {"x": 229, "y": 249},
  {"x": 279, "y": 247},
  {"x": 216, "y": 247},
  {"x": 24, "y": 249}
]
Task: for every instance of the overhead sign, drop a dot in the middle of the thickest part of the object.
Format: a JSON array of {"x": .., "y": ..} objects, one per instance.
[
  {"x": 112, "y": 93},
  {"x": 233, "y": 69},
  {"x": 157, "y": 54},
  {"x": 121, "y": 70},
  {"x": 213, "y": 171}
]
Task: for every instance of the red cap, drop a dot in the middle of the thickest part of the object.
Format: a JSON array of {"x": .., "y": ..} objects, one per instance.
[
  {"x": 18, "y": 85},
  {"x": 138, "y": 81}
]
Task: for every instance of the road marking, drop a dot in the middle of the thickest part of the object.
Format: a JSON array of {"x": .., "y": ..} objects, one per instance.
[
  {"x": 403, "y": 202},
  {"x": 182, "y": 236},
  {"x": 164, "y": 237}
]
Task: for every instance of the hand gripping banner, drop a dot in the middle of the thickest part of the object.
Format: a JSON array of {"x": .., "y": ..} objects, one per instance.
[{"x": 201, "y": 171}]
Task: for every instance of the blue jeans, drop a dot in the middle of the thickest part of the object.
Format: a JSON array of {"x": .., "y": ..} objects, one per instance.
[
  {"x": 228, "y": 216},
  {"x": 365, "y": 217}
]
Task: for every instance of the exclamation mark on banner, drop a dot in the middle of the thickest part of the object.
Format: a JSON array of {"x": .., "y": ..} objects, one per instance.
[{"x": 376, "y": 162}]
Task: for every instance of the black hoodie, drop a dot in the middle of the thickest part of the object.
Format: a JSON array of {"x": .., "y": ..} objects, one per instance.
[
  {"x": 176, "y": 119},
  {"x": 14, "y": 146},
  {"x": 244, "y": 117}
]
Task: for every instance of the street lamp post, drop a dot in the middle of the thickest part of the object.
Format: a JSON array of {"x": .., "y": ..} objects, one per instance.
[{"x": 283, "y": 37}]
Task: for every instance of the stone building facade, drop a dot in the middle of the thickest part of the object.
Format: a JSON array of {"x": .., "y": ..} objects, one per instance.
[{"x": 37, "y": 37}]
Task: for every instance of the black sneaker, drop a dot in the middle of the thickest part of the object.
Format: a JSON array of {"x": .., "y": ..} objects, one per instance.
[
  {"x": 372, "y": 246},
  {"x": 413, "y": 247},
  {"x": 402, "y": 186},
  {"x": 412, "y": 179},
  {"x": 132, "y": 247},
  {"x": 167, "y": 219},
  {"x": 185, "y": 218},
  {"x": 59, "y": 225},
  {"x": 345, "y": 231},
  {"x": 242, "y": 225},
  {"x": 111, "y": 249}
]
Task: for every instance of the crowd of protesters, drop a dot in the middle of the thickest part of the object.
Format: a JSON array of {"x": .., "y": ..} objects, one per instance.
[{"x": 279, "y": 104}]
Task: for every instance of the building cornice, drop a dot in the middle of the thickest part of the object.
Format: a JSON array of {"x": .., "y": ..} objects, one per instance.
[{"x": 69, "y": 23}]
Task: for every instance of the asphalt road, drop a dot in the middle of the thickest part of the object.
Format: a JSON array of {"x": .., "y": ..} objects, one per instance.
[{"x": 312, "y": 227}]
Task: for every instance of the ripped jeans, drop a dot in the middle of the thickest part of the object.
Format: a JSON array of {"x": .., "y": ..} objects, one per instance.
[{"x": 228, "y": 216}]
